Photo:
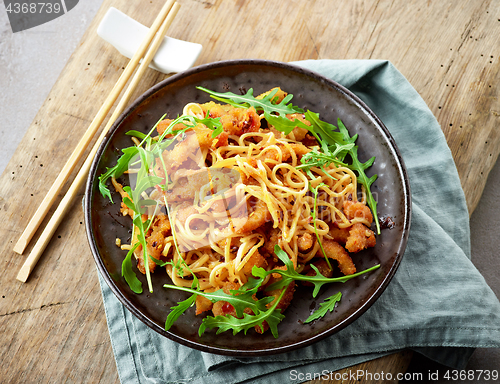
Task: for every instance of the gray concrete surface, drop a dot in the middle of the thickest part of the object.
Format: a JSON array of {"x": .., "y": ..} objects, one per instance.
[{"x": 31, "y": 61}]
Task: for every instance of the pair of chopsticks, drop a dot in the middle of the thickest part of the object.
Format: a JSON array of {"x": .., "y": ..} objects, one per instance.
[{"x": 152, "y": 40}]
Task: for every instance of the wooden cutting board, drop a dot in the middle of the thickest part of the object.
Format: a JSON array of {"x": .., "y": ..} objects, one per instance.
[{"x": 53, "y": 327}]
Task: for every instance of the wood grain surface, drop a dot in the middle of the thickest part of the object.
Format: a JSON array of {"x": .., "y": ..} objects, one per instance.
[{"x": 53, "y": 328}]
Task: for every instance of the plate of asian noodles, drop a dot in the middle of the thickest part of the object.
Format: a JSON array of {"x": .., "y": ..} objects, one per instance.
[{"x": 248, "y": 207}]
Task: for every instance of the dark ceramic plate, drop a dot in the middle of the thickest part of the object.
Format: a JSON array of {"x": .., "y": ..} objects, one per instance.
[{"x": 104, "y": 222}]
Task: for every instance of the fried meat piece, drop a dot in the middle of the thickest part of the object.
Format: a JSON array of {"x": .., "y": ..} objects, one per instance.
[
  {"x": 205, "y": 139},
  {"x": 298, "y": 133},
  {"x": 272, "y": 239},
  {"x": 187, "y": 187},
  {"x": 213, "y": 110},
  {"x": 354, "y": 210},
  {"x": 273, "y": 155},
  {"x": 339, "y": 235},
  {"x": 141, "y": 266},
  {"x": 323, "y": 268},
  {"x": 360, "y": 237},
  {"x": 184, "y": 211},
  {"x": 249, "y": 180},
  {"x": 203, "y": 134},
  {"x": 277, "y": 98},
  {"x": 187, "y": 150},
  {"x": 218, "y": 206},
  {"x": 255, "y": 260},
  {"x": 126, "y": 210},
  {"x": 202, "y": 304},
  {"x": 155, "y": 242},
  {"x": 257, "y": 217},
  {"x": 164, "y": 124},
  {"x": 305, "y": 242},
  {"x": 240, "y": 120},
  {"x": 299, "y": 149},
  {"x": 123, "y": 207},
  {"x": 180, "y": 153},
  {"x": 334, "y": 250},
  {"x": 235, "y": 121}
]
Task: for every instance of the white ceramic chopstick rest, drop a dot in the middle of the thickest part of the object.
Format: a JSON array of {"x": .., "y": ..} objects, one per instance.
[{"x": 126, "y": 34}]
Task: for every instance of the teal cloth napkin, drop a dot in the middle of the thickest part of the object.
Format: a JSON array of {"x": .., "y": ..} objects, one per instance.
[{"x": 437, "y": 303}]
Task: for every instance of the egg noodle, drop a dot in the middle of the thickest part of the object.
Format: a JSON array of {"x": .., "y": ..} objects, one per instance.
[{"x": 225, "y": 202}]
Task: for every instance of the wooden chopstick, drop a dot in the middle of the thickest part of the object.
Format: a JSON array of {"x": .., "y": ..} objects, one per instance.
[
  {"x": 77, "y": 154},
  {"x": 157, "y": 30}
]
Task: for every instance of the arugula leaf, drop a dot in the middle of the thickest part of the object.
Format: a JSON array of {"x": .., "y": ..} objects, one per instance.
[
  {"x": 141, "y": 236},
  {"x": 360, "y": 169},
  {"x": 272, "y": 317},
  {"x": 315, "y": 191},
  {"x": 161, "y": 263},
  {"x": 138, "y": 134},
  {"x": 135, "y": 204},
  {"x": 251, "y": 284},
  {"x": 123, "y": 161},
  {"x": 325, "y": 130},
  {"x": 265, "y": 104},
  {"x": 327, "y": 306},
  {"x": 129, "y": 203},
  {"x": 121, "y": 166},
  {"x": 212, "y": 123},
  {"x": 146, "y": 156},
  {"x": 291, "y": 274},
  {"x": 284, "y": 124},
  {"x": 243, "y": 298},
  {"x": 128, "y": 273},
  {"x": 144, "y": 183},
  {"x": 318, "y": 159},
  {"x": 178, "y": 310},
  {"x": 239, "y": 299}
]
